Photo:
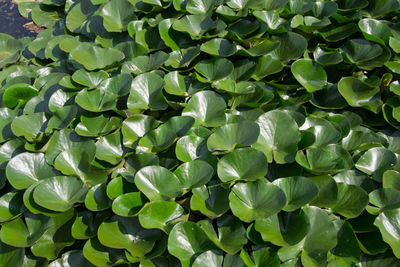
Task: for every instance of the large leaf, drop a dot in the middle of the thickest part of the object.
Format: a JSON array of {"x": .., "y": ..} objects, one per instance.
[
  {"x": 19, "y": 233},
  {"x": 9, "y": 49},
  {"x": 76, "y": 161},
  {"x": 27, "y": 168},
  {"x": 309, "y": 74},
  {"x": 376, "y": 161},
  {"x": 59, "y": 193},
  {"x": 158, "y": 183},
  {"x": 207, "y": 108},
  {"x": 279, "y": 135},
  {"x": 255, "y": 200},
  {"x": 186, "y": 240},
  {"x": 227, "y": 137},
  {"x": 388, "y": 224},
  {"x": 126, "y": 233},
  {"x": 214, "y": 69},
  {"x": 194, "y": 174},
  {"x": 146, "y": 92},
  {"x": 18, "y": 94},
  {"x": 116, "y": 15},
  {"x": 161, "y": 214},
  {"x": 94, "y": 57},
  {"x": 235, "y": 165},
  {"x": 11, "y": 256},
  {"x": 298, "y": 190}
]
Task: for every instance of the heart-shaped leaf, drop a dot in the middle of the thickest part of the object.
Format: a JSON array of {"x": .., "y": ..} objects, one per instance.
[
  {"x": 158, "y": 183},
  {"x": 255, "y": 200},
  {"x": 207, "y": 108},
  {"x": 59, "y": 193},
  {"x": 235, "y": 165},
  {"x": 279, "y": 135},
  {"x": 161, "y": 214},
  {"x": 186, "y": 240},
  {"x": 228, "y": 136},
  {"x": 18, "y": 94},
  {"x": 128, "y": 204},
  {"x": 298, "y": 190},
  {"x": 27, "y": 168},
  {"x": 194, "y": 174},
  {"x": 309, "y": 74},
  {"x": 146, "y": 92}
]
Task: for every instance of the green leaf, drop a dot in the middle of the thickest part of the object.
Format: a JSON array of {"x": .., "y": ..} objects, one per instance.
[
  {"x": 18, "y": 94},
  {"x": 105, "y": 96},
  {"x": 299, "y": 191},
  {"x": 214, "y": 69},
  {"x": 161, "y": 214},
  {"x": 126, "y": 233},
  {"x": 314, "y": 248},
  {"x": 59, "y": 193},
  {"x": 211, "y": 200},
  {"x": 375, "y": 30},
  {"x": 208, "y": 258},
  {"x": 29, "y": 126},
  {"x": 376, "y": 161},
  {"x": 255, "y": 200},
  {"x": 100, "y": 255},
  {"x": 195, "y": 25},
  {"x": 83, "y": 226},
  {"x": 235, "y": 165},
  {"x": 387, "y": 222},
  {"x": 27, "y": 168},
  {"x": 391, "y": 179},
  {"x": 266, "y": 65},
  {"x": 279, "y": 135},
  {"x": 351, "y": 200},
  {"x": 66, "y": 139},
  {"x": 228, "y": 136},
  {"x": 62, "y": 118},
  {"x": 218, "y": 47},
  {"x": 89, "y": 79},
  {"x": 194, "y": 174},
  {"x": 94, "y": 57},
  {"x": 146, "y": 92},
  {"x": 128, "y": 204},
  {"x": 116, "y": 15},
  {"x": 57, "y": 237},
  {"x": 291, "y": 46},
  {"x": 119, "y": 186},
  {"x": 136, "y": 127},
  {"x": 385, "y": 198},
  {"x": 143, "y": 64},
  {"x": 9, "y": 49},
  {"x": 109, "y": 148},
  {"x": 199, "y": 6},
  {"x": 76, "y": 161},
  {"x": 230, "y": 235},
  {"x": 96, "y": 198},
  {"x": 207, "y": 108},
  {"x": 158, "y": 183},
  {"x": 309, "y": 74},
  {"x": 283, "y": 229},
  {"x": 359, "y": 94},
  {"x": 19, "y": 233},
  {"x": 11, "y": 256},
  {"x": 11, "y": 205},
  {"x": 187, "y": 239}
]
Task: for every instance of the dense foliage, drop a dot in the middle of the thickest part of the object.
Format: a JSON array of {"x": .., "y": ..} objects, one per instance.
[{"x": 202, "y": 133}]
